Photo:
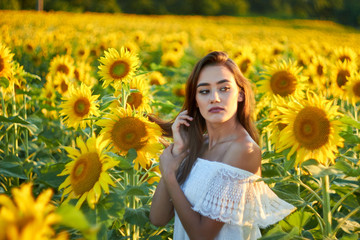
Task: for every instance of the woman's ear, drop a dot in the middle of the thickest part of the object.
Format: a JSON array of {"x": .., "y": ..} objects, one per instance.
[{"x": 241, "y": 97}]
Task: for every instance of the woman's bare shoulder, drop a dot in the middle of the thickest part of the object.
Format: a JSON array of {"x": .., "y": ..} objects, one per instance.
[{"x": 245, "y": 154}]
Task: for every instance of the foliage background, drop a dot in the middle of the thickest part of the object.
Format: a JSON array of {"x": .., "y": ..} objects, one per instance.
[{"x": 342, "y": 11}]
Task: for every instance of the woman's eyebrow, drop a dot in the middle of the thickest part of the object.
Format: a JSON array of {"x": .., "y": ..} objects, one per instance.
[{"x": 208, "y": 84}]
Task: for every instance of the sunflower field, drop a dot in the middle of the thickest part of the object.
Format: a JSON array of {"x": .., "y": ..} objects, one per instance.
[{"x": 79, "y": 153}]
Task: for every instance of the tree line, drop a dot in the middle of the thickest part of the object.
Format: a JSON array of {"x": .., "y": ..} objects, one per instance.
[{"x": 341, "y": 11}]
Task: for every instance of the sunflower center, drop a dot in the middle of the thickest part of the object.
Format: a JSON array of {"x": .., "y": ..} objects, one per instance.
[
  {"x": 135, "y": 99},
  {"x": 64, "y": 86},
  {"x": 341, "y": 77},
  {"x": 283, "y": 83},
  {"x": 2, "y": 64},
  {"x": 344, "y": 57},
  {"x": 119, "y": 69},
  {"x": 320, "y": 70},
  {"x": 312, "y": 128},
  {"x": 82, "y": 107},
  {"x": 29, "y": 47},
  {"x": 63, "y": 68},
  {"x": 77, "y": 74},
  {"x": 129, "y": 132},
  {"x": 281, "y": 126},
  {"x": 85, "y": 173},
  {"x": 356, "y": 89},
  {"x": 244, "y": 65},
  {"x": 81, "y": 52},
  {"x": 154, "y": 81}
]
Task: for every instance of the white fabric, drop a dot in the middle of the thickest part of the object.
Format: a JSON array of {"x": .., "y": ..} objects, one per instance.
[{"x": 233, "y": 196}]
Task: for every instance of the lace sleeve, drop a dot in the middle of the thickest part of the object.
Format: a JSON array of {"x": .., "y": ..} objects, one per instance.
[{"x": 238, "y": 198}]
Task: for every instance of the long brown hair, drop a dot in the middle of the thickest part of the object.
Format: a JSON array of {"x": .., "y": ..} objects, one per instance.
[{"x": 194, "y": 134}]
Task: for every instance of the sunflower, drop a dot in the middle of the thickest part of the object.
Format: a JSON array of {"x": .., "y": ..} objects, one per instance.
[
  {"x": 175, "y": 48},
  {"x": 82, "y": 51},
  {"x": 82, "y": 73},
  {"x": 341, "y": 71},
  {"x": 345, "y": 54},
  {"x": 156, "y": 78},
  {"x": 317, "y": 72},
  {"x": 138, "y": 98},
  {"x": 170, "y": 59},
  {"x": 130, "y": 130},
  {"x": 245, "y": 61},
  {"x": 25, "y": 217},
  {"x": 310, "y": 129},
  {"x": 352, "y": 88},
  {"x": 62, "y": 64},
  {"x": 87, "y": 171},
  {"x": 282, "y": 79},
  {"x": 49, "y": 98},
  {"x": 179, "y": 90},
  {"x": 78, "y": 106},
  {"x": 5, "y": 61},
  {"x": 118, "y": 67},
  {"x": 276, "y": 126},
  {"x": 132, "y": 47},
  {"x": 62, "y": 83}
]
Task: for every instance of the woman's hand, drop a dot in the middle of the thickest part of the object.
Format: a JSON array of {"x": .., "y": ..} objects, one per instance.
[
  {"x": 168, "y": 162},
  {"x": 179, "y": 143}
]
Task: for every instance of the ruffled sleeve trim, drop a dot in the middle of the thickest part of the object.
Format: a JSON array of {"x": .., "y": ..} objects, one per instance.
[{"x": 236, "y": 196}]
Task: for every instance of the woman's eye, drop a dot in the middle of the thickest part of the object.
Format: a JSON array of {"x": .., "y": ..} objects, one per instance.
[
  {"x": 225, "y": 89},
  {"x": 204, "y": 91}
]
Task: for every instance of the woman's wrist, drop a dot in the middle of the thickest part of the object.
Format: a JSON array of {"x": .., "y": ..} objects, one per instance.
[{"x": 175, "y": 151}]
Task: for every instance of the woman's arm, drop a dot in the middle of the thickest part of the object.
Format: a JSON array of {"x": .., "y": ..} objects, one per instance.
[
  {"x": 196, "y": 225},
  {"x": 162, "y": 209}
]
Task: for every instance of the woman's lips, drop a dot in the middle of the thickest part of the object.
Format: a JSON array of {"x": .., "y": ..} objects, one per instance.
[{"x": 215, "y": 109}]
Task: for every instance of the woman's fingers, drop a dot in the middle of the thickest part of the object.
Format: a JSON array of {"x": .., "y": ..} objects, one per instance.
[{"x": 182, "y": 118}]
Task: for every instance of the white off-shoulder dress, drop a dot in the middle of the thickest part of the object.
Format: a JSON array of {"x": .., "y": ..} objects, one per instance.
[{"x": 233, "y": 196}]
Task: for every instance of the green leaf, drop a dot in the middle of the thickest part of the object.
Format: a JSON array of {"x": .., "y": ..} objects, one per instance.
[
  {"x": 4, "y": 82},
  {"x": 49, "y": 175},
  {"x": 21, "y": 122},
  {"x": 321, "y": 171},
  {"x": 353, "y": 236},
  {"x": 124, "y": 164},
  {"x": 11, "y": 166},
  {"x": 297, "y": 219},
  {"x": 350, "y": 121},
  {"x": 31, "y": 76},
  {"x": 131, "y": 155},
  {"x": 349, "y": 226},
  {"x": 136, "y": 216},
  {"x": 155, "y": 238},
  {"x": 106, "y": 101},
  {"x": 135, "y": 191},
  {"x": 74, "y": 218},
  {"x": 347, "y": 168}
]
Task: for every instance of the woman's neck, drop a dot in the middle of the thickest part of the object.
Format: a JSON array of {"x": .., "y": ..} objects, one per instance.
[{"x": 223, "y": 132}]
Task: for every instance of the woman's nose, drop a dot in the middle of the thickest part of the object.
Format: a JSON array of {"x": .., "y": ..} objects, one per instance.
[{"x": 214, "y": 97}]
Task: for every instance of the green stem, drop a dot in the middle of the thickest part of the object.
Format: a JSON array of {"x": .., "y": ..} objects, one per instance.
[
  {"x": 134, "y": 204},
  {"x": 338, "y": 203},
  {"x": 356, "y": 117},
  {"x": 124, "y": 94},
  {"x": 268, "y": 141},
  {"x": 326, "y": 205},
  {"x": 311, "y": 190},
  {"x": 344, "y": 220},
  {"x": 5, "y": 115},
  {"x": 318, "y": 217},
  {"x": 15, "y": 137},
  {"x": 26, "y": 131}
]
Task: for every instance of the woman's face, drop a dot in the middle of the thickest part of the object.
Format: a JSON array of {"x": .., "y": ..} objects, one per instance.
[{"x": 217, "y": 94}]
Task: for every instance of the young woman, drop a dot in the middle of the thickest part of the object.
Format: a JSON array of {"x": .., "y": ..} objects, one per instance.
[{"x": 210, "y": 173}]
